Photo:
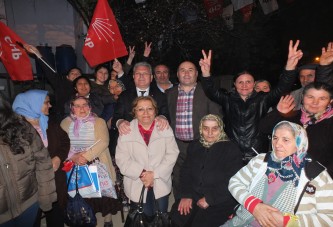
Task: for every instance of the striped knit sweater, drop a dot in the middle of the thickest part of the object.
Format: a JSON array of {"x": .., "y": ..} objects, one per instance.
[{"x": 315, "y": 209}]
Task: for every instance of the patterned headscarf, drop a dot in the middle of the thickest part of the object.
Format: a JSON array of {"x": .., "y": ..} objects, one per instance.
[
  {"x": 222, "y": 137},
  {"x": 289, "y": 168},
  {"x": 29, "y": 104},
  {"x": 78, "y": 121}
]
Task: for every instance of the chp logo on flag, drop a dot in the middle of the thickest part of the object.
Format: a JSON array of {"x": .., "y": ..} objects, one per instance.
[
  {"x": 14, "y": 57},
  {"x": 103, "y": 29},
  {"x": 103, "y": 42},
  {"x": 214, "y": 8}
]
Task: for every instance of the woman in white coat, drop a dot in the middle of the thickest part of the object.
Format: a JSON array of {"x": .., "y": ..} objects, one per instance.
[{"x": 146, "y": 156}]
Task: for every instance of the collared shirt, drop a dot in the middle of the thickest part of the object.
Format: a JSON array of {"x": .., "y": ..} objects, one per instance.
[
  {"x": 184, "y": 112},
  {"x": 139, "y": 93},
  {"x": 161, "y": 89}
]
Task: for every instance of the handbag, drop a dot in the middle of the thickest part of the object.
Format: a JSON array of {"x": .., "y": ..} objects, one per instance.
[
  {"x": 77, "y": 212},
  {"x": 83, "y": 181},
  {"x": 106, "y": 185},
  {"x": 137, "y": 218}
]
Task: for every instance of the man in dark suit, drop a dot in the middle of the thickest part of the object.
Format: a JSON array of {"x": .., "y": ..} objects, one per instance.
[
  {"x": 142, "y": 76},
  {"x": 187, "y": 104}
]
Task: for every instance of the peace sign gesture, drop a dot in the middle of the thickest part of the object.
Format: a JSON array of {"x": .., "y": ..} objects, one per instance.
[
  {"x": 294, "y": 55},
  {"x": 205, "y": 63},
  {"x": 326, "y": 57}
]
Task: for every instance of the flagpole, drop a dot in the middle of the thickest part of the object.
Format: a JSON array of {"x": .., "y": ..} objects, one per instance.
[{"x": 39, "y": 57}]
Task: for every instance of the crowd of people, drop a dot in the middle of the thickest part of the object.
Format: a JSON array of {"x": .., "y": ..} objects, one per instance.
[{"x": 258, "y": 155}]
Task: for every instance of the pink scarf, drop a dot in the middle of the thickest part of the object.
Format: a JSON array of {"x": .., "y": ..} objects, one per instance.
[
  {"x": 79, "y": 121},
  {"x": 311, "y": 119}
]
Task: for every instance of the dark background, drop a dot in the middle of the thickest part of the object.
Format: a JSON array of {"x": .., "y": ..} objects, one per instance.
[{"x": 179, "y": 29}]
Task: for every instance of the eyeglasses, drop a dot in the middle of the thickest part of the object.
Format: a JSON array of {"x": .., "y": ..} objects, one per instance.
[
  {"x": 141, "y": 74},
  {"x": 142, "y": 110},
  {"x": 81, "y": 106}
]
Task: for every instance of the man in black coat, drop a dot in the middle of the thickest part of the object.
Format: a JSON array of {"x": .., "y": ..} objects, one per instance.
[{"x": 142, "y": 76}]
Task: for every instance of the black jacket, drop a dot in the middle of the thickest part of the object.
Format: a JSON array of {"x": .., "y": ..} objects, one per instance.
[
  {"x": 241, "y": 118},
  {"x": 206, "y": 173}
]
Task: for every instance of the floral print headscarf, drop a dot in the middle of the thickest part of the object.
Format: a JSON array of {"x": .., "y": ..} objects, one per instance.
[{"x": 289, "y": 168}]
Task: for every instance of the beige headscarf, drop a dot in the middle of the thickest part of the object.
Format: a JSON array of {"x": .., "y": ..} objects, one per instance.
[{"x": 222, "y": 137}]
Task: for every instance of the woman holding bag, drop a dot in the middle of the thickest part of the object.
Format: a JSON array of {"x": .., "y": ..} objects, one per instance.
[
  {"x": 84, "y": 129},
  {"x": 146, "y": 156}
]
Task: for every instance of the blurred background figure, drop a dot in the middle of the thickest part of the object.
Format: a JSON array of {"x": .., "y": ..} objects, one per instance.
[
  {"x": 162, "y": 77},
  {"x": 306, "y": 75},
  {"x": 262, "y": 85}
]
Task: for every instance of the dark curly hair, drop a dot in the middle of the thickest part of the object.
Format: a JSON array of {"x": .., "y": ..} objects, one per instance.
[{"x": 14, "y": 130}]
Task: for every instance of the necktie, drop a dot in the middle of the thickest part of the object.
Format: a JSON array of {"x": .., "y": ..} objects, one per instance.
[{"x": 142, "y": 93}]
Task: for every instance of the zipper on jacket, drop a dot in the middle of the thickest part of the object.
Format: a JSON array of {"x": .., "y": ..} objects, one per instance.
[{"x": 10, "y": 185}]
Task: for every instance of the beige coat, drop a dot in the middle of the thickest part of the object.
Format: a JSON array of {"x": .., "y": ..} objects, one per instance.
[
  {"x": 101, "y": 149},
  {"x": 133, "y": 155}
]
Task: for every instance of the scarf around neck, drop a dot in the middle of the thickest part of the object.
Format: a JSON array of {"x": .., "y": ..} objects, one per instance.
[
  {"x": 78, "y": 121},
  {"x": 289, "y": 168},
  {"x": 311, "y": 119}
]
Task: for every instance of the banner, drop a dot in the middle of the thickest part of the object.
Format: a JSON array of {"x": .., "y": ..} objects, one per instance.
[
  {"x": 268, "y": 6},
  {"x": 227, "y": 16},
  {"x": 238, "y": 4},
  {"x": 103, "y": 42},
  {"x": 214, "y": 8},
  {"x": 13, "y": 56}
]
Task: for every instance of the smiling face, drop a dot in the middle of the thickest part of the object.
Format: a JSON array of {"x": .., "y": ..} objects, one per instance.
[
  {"x": 142, "y": 77},
  {"x": 162, "y": 74},
  {"x": 244, "y": 85},
  {"x": 80, "y": 108},
  {"x": 283, "y": 142},
  {"x": 115, "y": 88},
  {"x": 145, "y": 112},
  {"x": 187, "y": 74},
  {"x": 210, "y": 131},
  {"x": 82, "y": 87},
  {"x": 316, "y": 101},
  {"x": 73, "y": 74},
  {"x": 102, "y": 75},
  {"x": 46, "y": 106}
]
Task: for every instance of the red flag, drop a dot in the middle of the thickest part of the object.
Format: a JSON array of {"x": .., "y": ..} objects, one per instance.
[
  {"x": 103, "y": 42},
  {"x": 13, "y": 56},
  {"x": 247, "y": 12},
  {"x": 214, "y": 8}
]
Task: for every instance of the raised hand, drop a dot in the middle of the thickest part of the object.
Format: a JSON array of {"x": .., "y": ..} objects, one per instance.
[
  {"x": 131, "y": 54},
  {"x": 326, "y": 57},
  {"x": 147, "y": 50},
  {"x": 286, "y": 104},
  {"x": 205, "y": 63},
  {"x": 294, "y": 55},
  {"x": 32, "y": 50}
]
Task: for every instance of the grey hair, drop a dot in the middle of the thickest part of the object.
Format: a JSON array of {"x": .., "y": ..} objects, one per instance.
[{"x": 143, "y": 63}]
